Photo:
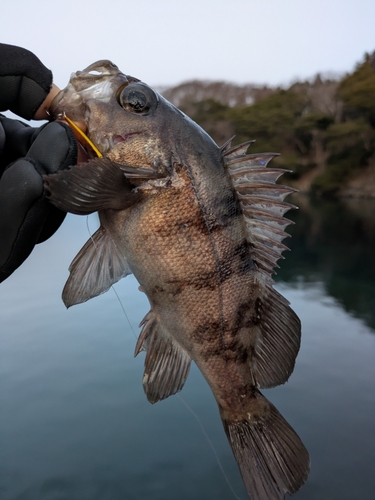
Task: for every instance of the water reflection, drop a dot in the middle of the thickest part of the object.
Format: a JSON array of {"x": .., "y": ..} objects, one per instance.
[
  {"x": 333, "y": 242},
  {"x": 76, "y": 425}
]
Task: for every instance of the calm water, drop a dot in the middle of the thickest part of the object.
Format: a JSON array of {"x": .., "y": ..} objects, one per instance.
[{"x": 75, "y": 424}]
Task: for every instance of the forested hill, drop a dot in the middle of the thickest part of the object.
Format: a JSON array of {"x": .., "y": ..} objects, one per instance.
[{"x": 323, "y": 128}]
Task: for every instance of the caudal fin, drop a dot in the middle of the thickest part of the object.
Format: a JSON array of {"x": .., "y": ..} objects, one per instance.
[{"x": 272, "y": 459}]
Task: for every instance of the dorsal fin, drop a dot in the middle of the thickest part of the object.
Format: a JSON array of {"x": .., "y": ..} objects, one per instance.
[
  {"x": 262, "y": 204},
  {"x": 238, "y": 150},
  {"x": 227, "y": 145}
]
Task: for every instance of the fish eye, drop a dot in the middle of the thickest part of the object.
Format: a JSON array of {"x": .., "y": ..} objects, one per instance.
[{"x": 137, "y": 98}]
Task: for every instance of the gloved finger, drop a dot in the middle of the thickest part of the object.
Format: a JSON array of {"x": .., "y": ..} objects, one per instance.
[
  {"x": 21, "y": 189},
  {"x": 24, "y": 81},
  {"x": 26, "y": 216},
  {"x": 55, "y": 148},
  {"x": 15, "y": 140},
  {"x": 52, "y": 222}
]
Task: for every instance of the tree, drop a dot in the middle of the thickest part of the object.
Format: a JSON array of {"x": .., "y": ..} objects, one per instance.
[{"x": 358, "y": 92}]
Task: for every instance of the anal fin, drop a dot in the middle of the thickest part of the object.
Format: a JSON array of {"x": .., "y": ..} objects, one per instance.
[
  {"x": 167, "y": 364},
  {"x": 98, "y": 265}
]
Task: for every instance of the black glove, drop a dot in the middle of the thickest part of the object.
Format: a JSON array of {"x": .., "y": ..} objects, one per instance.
[{"x": 26, "y": 153}]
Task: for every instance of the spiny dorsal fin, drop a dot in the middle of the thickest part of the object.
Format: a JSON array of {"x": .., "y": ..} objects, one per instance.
[
  {"x": 238, "y": 150},
  {"x": 262, "y": 204},
  {"x": 227, "y": 145},
  {"x": 167, "y": 364}
]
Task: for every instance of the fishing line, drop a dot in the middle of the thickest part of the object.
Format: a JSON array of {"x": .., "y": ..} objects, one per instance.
[
  {"x": 210, "y": 443},
  {"x": 177, "y": 395},
  {"x": 113, "y": 288},
  {"x": 126, "y": 316}
]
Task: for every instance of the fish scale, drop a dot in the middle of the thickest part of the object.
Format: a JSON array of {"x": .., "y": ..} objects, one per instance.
[{"x": 201, "y": 228}]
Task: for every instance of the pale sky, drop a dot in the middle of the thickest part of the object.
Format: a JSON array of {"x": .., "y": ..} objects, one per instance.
[{"x": 167, "y": 42}]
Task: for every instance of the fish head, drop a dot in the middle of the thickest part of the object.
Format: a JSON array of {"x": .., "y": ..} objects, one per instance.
[{"x": 128, "y": 121}]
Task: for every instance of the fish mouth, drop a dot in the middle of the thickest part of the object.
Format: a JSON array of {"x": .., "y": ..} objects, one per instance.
[
  {"x": 123, "y": 138},
  {"x": 109, "y": 143},
  {"x": 96, "y": 83}
]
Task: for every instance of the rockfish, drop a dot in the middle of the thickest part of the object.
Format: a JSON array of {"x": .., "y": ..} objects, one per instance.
[{"x": 201, "y": 229}]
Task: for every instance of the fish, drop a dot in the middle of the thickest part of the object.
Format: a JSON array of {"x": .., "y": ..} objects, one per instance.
[{"x": 201, "y": 228}]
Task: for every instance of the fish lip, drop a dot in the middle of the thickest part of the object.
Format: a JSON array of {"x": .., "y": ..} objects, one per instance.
[{"x": 116, "y": 139}]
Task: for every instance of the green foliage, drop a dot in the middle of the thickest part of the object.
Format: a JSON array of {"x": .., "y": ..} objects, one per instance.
[
  {"x": 213, "y": 117},
  {"x": 295, "y": 163},
  {"x": 329, "y": 126},
  {"x": 270, "y": 121},
  {"x": 343, "y": 137},
  {"x": 308, "y": 126},
  {"x": 209, "y": 110},
  {"x": 315, "y": 120},
  {"x": 350, "y": 145},
  {"x": 310, "y": 134},
  {"x": 358, "y": 92}
]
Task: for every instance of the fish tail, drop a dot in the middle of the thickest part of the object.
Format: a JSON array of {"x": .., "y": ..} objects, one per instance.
[{"x": 271, "y": 457}]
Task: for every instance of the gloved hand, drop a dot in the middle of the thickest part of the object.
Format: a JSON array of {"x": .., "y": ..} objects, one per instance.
[{"x": 26, "y": 153}]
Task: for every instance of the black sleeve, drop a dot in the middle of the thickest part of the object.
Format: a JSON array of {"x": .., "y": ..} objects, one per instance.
[
  {"x": 24, "y": 81},
  {"x": 26, "y": 216}
]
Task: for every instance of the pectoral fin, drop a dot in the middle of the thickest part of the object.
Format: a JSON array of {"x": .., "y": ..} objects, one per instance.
[
  {"x": 95, "y": 185},
  {"x": 95, "y": 268},
  {"x": 167, "y": 364}
]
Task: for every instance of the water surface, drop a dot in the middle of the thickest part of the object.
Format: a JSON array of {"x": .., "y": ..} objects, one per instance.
[{"x": 75, "y": 424}]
